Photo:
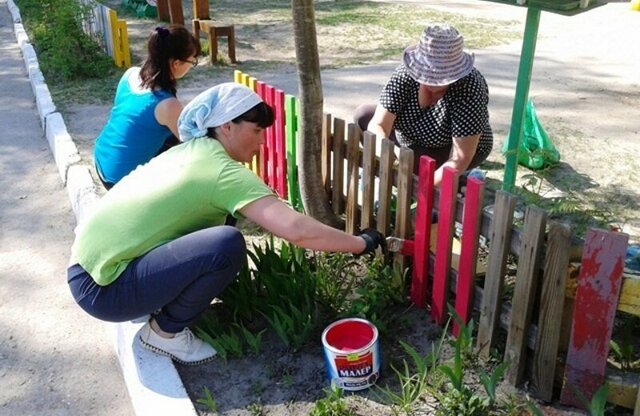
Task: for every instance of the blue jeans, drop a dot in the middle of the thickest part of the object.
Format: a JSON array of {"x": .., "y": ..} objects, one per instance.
[{"x": 180, "y": 279}]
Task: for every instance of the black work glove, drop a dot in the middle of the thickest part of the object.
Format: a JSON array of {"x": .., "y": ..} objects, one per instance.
[{"x": 373, "y": 238}]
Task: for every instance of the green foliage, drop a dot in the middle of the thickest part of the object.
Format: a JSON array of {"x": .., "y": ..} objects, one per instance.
[
  {"x": 256, "y": 409},
  {"x": 458, "y": 398},
  {"x": 332, "y": 405},
  {"x": 254, "y": 341},
  {"x": 376, "y": 292},
  {"x": 490, "y": 382},
  {"x": 208, "y": 401},
  {"x": 65, "y": 51},
  {"x": 226, "y": 342},
  {"x": 413, "y": 377},
  {"x": 598, "y": 403},
  {"x": 292, "y": 325},
  {"x": 463, "y": 402},
  {"x": 242, "y": 296}
]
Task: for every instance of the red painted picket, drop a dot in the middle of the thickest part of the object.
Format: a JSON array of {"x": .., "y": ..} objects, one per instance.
[
  {"x": 280, "y": 140},
  {"x": 264, "y": 152},
  {"x": 596, "y": 300},
  {"x": 419, "y": 278},
  {"x": 442, "y": 265},
  {"x": 271, "y": 140},
  {"x": 471, "y": 217}
]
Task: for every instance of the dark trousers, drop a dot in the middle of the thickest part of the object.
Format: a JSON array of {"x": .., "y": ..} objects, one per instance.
[
  {"x": 180, "y": 279},
  {"x": 363, "y": 116}
]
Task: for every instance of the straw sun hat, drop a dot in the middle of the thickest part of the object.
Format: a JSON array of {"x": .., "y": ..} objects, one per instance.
[{"x": 438, "y": 59}]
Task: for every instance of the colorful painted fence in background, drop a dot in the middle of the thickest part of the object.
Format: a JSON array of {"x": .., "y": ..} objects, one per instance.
[
  {"x": 548, "y": 301},
  {"x": 103, "y": 24},
  {"x": 276, "y": 163}
]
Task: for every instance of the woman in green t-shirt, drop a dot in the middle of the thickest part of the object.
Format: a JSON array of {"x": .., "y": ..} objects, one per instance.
[{"x": 157, "y": 244}]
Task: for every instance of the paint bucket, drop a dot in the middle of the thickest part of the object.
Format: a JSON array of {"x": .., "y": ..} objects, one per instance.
[{"x": 352, "y": 354}]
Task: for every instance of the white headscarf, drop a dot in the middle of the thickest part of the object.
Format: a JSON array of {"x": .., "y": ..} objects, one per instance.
[{"x": 214, "y": 107}]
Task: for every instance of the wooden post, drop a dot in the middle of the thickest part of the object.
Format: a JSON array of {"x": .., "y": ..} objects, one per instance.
[
  {"x": 353, "y": 167},
  {"x": 421, "y": 254},
  {"x": 524, "y": 295},
  {"x": 636, "y": 412},
  {"x": 326, "y": 153},
  {"x": 386, "y": 183},
  {"x": 368, "y": 179},
  {"x": 175, "y": 9},
  {"x": 494, "y": 280},
  {"x": 337, "y": 194},
  {"x": 163, "y": 10},
  {"x": 201, "y": 9},
  {"x": 471, "y": 217},
  {"x": 597, "y": 296},
  {"x": 551, "y": 310},
  {"x": 403, "y": 206},
  {"x": 442, "y": 266}
]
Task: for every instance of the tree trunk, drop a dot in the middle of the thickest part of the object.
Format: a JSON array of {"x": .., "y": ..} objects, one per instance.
[{"x": 313, "y": 195}]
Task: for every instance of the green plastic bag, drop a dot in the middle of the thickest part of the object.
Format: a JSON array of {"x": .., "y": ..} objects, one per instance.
[{"x": 536, "y": 150}]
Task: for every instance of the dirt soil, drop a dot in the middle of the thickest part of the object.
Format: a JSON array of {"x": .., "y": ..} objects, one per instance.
[{"x": 585, "y": 87}]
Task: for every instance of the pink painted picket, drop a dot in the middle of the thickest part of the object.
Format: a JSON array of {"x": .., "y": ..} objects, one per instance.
[
  {"x": 271, "y": 140},
  {"x": 442, "y": 267},
  {"x": 264, "y": 149},
  {"x": 280, "y": 140},
  {"x": 471, "y": 218},
  {"x": 419, "y": 279}
]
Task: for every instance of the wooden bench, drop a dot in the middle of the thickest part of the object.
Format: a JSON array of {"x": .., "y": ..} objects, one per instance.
[
  {"x": 202, "y": 22},
  {"x": 215, "y": 31}
]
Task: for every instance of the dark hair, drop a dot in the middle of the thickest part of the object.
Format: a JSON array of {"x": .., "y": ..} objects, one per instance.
[
  {"x": 165, "y": 44},
  {"x": 262, "y": 114}
]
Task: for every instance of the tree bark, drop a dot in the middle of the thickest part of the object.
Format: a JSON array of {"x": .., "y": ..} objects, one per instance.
[{"x": 312, "y": 193}]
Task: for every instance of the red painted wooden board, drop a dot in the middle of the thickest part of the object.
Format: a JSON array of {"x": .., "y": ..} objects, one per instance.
[
  {"x": 469, "y": 250},
  {"x": 281, "y": 170},
  {"x": 422, "y": 237},
  {"x": 264, "y": 153},
  {"x": 597, "y": 296},
  {"x": 442, "y": 265},
  {"x": 270, "y": 137}
]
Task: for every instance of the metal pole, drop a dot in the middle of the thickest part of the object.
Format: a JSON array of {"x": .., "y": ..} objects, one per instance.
[{"x": 522, "y": 95}]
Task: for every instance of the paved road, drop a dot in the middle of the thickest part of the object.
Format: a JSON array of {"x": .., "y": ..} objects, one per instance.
[{"x": 54, "y": 359}]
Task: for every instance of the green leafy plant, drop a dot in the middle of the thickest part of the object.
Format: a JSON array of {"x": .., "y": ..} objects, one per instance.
[
  {"x": 208, "y": 401},
  {"x": 256, "y": 409},
  {"x": 242, "y": 296},
  {"x": 226, "y": 342},
  {"x": 254, "y": 341},
  {"x": 490, "y": 382},
  {"x": 292, "y": 325},
  {"x": 598, "y": 403},
  {"x": 332, "y": 405},
  {"x": 413, "y": 377},
  {"x": 65, "y": 51}
]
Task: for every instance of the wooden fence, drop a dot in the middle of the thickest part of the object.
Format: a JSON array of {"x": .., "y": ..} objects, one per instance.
[
  {"x": 559, "y": 318},
  {"x": 103, "y": 24}
]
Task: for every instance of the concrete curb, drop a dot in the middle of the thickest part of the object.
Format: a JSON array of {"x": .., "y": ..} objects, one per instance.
[{"x": 152, "y": 381}]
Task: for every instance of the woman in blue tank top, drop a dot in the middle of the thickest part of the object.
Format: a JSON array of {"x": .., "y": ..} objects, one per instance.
[{"x": 144, "y": 117}]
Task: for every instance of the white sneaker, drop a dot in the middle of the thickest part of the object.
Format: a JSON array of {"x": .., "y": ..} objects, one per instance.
[{"x": 184, "y": 347}]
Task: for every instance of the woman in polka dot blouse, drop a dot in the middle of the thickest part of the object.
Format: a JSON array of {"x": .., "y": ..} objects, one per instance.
[{"x": 435, "y": 104}]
